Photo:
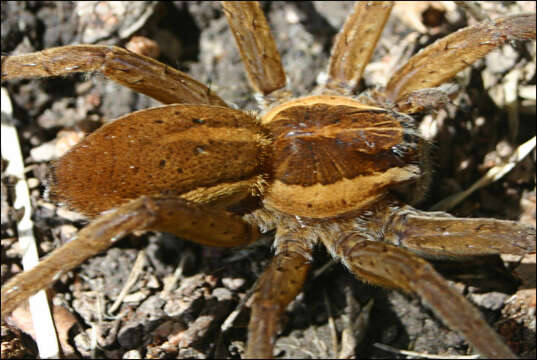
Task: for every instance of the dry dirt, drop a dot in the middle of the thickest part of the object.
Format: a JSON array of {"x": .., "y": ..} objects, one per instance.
[{"x": 470, "y": 135}]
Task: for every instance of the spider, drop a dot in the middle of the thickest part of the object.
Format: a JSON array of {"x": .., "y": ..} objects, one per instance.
[{"x": 331, "y": 168}]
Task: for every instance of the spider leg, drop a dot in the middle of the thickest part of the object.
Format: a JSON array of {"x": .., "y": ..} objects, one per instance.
[
  {"x": 276, "y": 288},
  {"x": 256, "y": 45},
  {"x": 203, "y": 225},
  {"x": 440, "y": 235},
  {"x": 355, "y": 44},
  {"x": 389, "y": 266},
  {"x": 138, "y": 72},
  {"x": 440, "y": 61}
]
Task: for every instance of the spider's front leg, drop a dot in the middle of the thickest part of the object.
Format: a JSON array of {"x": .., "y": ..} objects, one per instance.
[
  {"x": 138, "y": 72},
  {"x": 256, "y": 45},
  {"x": 440, "y": 61},
  {"x": 434, "y": 235},
  {"x": 440, "y": 235},
  {"x": 355, "y": 44}
]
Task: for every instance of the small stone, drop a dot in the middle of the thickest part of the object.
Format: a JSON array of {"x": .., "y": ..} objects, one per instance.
[
  {"x": 45, "y": 152},
  {"x": 190, "y": 353},
  {"x": 84, "y": 87},
  {"x": 153, "y": 282},
  {"x": 222, "y": 294},
  {"x": 143, "y": 46},
  {"x": 492, "y": 301},
  {"x": 47, "y": 208},
  {"x": 33, "y": 183},
  {"x": 82, "y": 342},
  {"x": 132, "y": 354},
  {"x": 66, "y": 140},
  {"x": 233, "y": 284},
  {"x": 130, "y": 336},
  {"x": 67, "y": 232},
  {"x": 70, "y": 215},
  {"x": 136, "y": 297}
]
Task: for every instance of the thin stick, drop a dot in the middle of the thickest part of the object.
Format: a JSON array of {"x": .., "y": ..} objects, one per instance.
[
  {"x": 422, "y": 355},
  {"x": 494, "y": 174},
  {"x": 331, "y": 326},
  {"x": 45, "y": 333},
  {"x": 133, "y": 277}
]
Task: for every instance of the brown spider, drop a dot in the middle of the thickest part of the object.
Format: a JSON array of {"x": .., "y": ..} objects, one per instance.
[{"x": 330, "y": 167}]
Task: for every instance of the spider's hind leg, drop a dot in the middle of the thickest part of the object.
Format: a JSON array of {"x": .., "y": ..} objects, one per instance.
[
  {"x": 276, "y": 288},
  {"x": 200, "y": 224},
  {"x": 382, "y": 247},
  {"x": 390, "y": 266}
]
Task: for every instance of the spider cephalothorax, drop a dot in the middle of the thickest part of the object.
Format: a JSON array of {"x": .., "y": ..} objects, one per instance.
[
  {"x": 327, "y": 168},
  {"x": 333, "y": 155}
]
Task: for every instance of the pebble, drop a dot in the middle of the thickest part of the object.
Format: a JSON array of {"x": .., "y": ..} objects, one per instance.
[
  {"x": 222, "y": 294},
  {"x": 33, "y": 183},
  {"x": 233, "y": 283},
  {"x": 492, "y": 301},
  {"x": 132, "y": 354}
]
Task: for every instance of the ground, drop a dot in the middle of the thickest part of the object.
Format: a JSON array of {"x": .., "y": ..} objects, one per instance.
[{"x": 471, "y": 135}]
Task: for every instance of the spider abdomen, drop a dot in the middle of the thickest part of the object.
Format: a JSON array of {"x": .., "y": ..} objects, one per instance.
[
  {"x": 333, "y": 155},
  {"x": 204, "y": 156}
]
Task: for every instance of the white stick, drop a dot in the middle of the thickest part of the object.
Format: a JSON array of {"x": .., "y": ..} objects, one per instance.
[{"x": 45, "y": 333}]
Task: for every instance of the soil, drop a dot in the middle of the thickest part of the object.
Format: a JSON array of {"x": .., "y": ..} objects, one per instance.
[{"x": 470, "y": 135}]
